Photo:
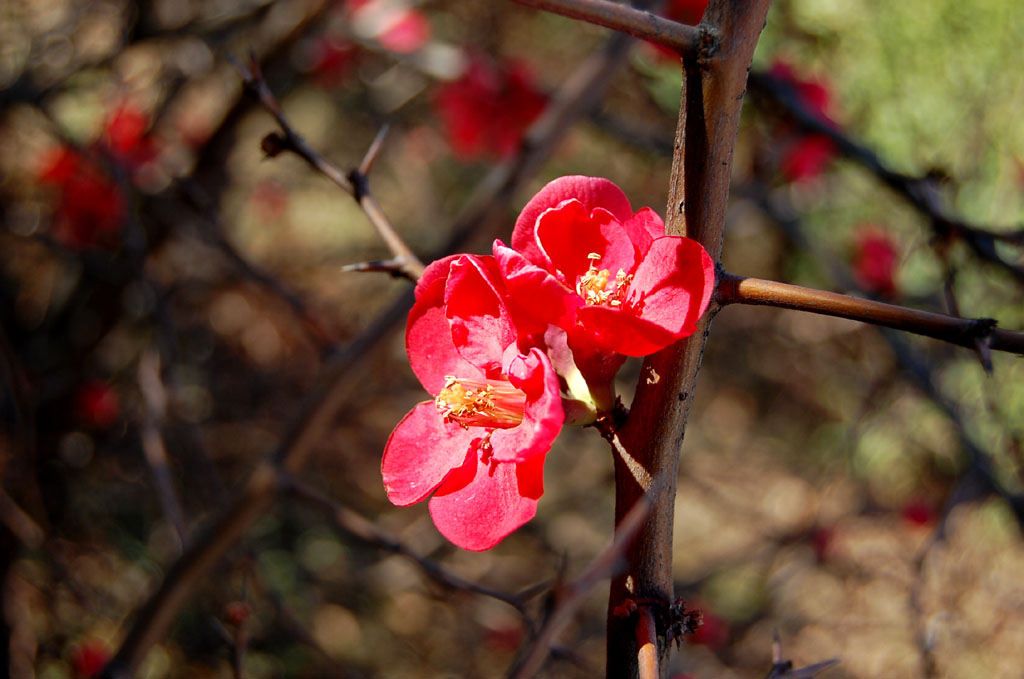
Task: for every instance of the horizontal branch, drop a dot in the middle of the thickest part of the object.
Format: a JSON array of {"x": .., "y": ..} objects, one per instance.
[
  {"x": 965, "y": 332},
  {"x": 684, "y": 39}
]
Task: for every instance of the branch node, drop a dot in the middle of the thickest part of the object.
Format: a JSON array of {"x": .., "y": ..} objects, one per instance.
[{"x": 360, "y": 184}]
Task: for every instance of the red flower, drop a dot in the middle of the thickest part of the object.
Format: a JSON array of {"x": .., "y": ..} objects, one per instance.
[
  {"x": 331, "y": 60},
  {"x": 124, "y": 135},
  {"x": 394, "y": 26},
  {"x": 805, "y": 156},
  {"x": 686, "y": 11},
  {"x": 713, "y": 632},
  {"x": 919, "y": 512},
  {"x": 89, "y": 658},
  {"x": 486, "y": 111},
  {"x": 479, "y": 446},
  {"x": 874, "y": 262},
  {"x": 97, "y": 405},
  {"x": 90, "y": 208},
  {"x": 582, "y": 260}
]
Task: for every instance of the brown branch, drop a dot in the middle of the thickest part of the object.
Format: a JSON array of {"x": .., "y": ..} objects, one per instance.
[
  {"x": 355, "y": 182},
  {"x": 355, "y": 525},
  {"x": 571, "y": 597},
  {"x": 647, "y": 644},
  {"x": 580, "y": 94},
  {"x": 712, "y": 96},
  {"x": 685, "y": 40},
  {"x": 154, "y": 397},
  {"x": 965, "y": 332},
  {"x": 921, "y": 192}
]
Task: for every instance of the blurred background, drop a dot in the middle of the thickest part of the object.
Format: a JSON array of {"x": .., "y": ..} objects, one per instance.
[{"x": 169, "y": 295}]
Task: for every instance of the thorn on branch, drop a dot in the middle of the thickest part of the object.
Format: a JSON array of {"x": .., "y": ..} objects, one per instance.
[
  {"x": 673, "y": 619},
  {"x": 360, "y": 184},
  {"x": 783, "y": 669},
  {"x": 274, "y": 145},
  {"x": 396, "y": 267}
]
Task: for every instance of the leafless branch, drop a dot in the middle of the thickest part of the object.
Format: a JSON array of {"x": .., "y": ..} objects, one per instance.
[
  {"x": 570, "y": 597},
  {"x": 684, "y": 39},
  {"x": 355, "y": 183},
  {"x": 921, "y": 193},
  {"x": 154, "y": 397},
  {"x": 965, "y": 332}
]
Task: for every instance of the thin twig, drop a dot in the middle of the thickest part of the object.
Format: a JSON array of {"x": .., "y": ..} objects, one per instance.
[
  {"x": 154, "y": 397},
  {"x": 571, "y": 597},
  {"x": 19, "y": 522},
  {"x": 683, "y": 39},
  {"x": 922, "y": 193},
  {"x": 316, "y": 328},
  {"x": 363, "y": 529},
  {"x": 581, "y": 93},
  {"x": 355, "y": 183},
  {"x": 965, "y": 332}
]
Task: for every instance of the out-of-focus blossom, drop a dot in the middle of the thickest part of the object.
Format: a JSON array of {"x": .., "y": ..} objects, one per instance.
[
  {"x": 331, "y": 60},
  {"x": 486, "y": 111},
  {"x": 685, "y": 12},
  {"x": 919, "y": 512},
  {"x": 713, "y": 632},
  {"x": 875, "y": 260},
  {"x": 804, "y": 156},
  {"x": 97, "y": 404},
  {"x": 125, "y": 135},
  {"x": 391, "y": 23},
  {"x": 88, "y": 658},
  {"x": 89, "y": 210}
]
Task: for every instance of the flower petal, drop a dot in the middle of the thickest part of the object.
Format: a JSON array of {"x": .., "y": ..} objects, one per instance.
[
  {"x": 428, "y": 337},
  {"x": 673, "y": 284},
  {"x": 543, "y": 415},
  {"x": 481, "y": 327},
  {"x": 534, "y": 294},
  {"x": 421, "y": 452},
  {"x": 591, "y": 192},
  {"x": 481, "y": 503},
  {"x": 568, "y": 235}
]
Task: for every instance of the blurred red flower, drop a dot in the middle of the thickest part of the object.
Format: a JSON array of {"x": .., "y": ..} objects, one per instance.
[
  {"x": 713, "y": 632},
  {"x": 125, "y": 135},
  {"x": 394, "y": 25},
  {"x": 874, "y": 262},
  {"x": 90, "y": 206},
  {"x": 97, "y": 404},
  {"x": 919, "y": 512},
  {"x": 805, "y": 156},
  {"x": 686, "y": 11},
  {"x": 486, "y": 111},
  {"x": 479, "y": 445},
  {"x": 88, "y": 658},
  {"x": 331, "y": 60},
  {"x": 90, "y": 209}
]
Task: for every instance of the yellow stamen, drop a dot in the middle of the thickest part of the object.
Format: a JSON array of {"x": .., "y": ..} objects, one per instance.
[
  {"x": 480, "y": 403},
  {"x": 593, "y": 284}
]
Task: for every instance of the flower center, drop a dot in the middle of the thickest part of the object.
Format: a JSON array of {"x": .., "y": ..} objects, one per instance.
[
  {"x": 593, "y": 285},
  {"x": 480, "y": 403}
]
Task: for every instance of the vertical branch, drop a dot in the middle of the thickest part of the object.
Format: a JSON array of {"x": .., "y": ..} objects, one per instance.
[{"x": 712, "y": 96}]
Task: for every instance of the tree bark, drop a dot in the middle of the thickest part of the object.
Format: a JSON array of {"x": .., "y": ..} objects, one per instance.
[{"x": 647, "y": 447}]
